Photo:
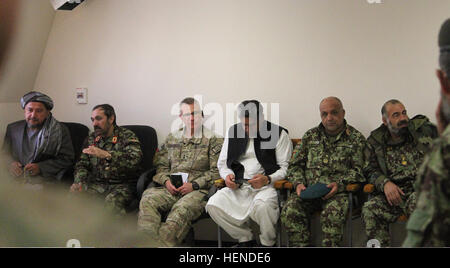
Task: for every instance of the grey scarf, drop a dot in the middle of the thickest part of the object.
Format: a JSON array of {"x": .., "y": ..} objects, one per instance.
[{"x": 49, "y": 139}]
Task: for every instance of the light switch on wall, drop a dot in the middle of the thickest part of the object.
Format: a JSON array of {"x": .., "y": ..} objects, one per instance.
[{"x": 82, "y": 95}]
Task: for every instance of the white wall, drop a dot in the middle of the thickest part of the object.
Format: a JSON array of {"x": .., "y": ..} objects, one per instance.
[
  {"x": 32, "y": 24},
  {"x": 143, "y": 56},
  {"x": 10, "y": 112}
]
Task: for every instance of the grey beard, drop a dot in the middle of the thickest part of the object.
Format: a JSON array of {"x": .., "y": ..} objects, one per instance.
[{"x": 396, "y": 131}]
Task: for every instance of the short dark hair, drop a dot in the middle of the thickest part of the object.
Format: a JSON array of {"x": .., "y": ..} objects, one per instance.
[
  {"x": 189, "y": 101},
  {"x": 444, "y": 46},
  {"x": 392, "y": 101},
  {"x": 251, "y": 108},
  {"x": 108, "y": 110}
]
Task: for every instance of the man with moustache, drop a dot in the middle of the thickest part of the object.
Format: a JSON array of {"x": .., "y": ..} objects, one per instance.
[
  {"x": 254, "y": 155},
  {"x": 395, "y": 152},
  {"x": 429, "y": 224},
  {"x": 330, "y": 154},
  {"x": 110, "y": 164},
  {"x": 192, "y": 150},
  {"x": 38, "y": 150}
]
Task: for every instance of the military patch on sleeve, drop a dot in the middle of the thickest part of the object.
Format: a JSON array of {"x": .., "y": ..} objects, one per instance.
[{"x": 216, "y": 149}]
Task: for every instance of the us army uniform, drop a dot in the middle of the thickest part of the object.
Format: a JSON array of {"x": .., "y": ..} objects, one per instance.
[
  {"x": 196, "y": 156},
  {"x": 112, "y": 179},
  {"x": 429, "y": 224},
  {"x": 324, "y": 159},
  {"x": 398, "y": 163}
]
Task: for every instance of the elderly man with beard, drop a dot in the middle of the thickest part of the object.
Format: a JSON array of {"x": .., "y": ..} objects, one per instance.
[
  {"x": 110, "y": 164},
  {"x": 38, "y": 150},
  {"x": 429, "y": 225},
  {"x": 395, "y": 152}
]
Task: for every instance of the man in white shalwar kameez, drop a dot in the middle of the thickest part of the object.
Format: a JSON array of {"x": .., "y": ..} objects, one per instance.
[{"x": 254, "y": 155}]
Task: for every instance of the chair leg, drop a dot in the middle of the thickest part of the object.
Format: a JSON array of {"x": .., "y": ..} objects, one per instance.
[
  {"x": 350, "y": 216},
  {"x": 279, "y": 233},
  {"x": 219, "y": 237}
]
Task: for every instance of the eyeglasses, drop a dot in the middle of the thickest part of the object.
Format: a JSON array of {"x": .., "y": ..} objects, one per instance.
[{"x": 194, "y": 113}]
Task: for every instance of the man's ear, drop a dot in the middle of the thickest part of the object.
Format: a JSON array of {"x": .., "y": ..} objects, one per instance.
[
  {"x": 444, "y": 81},
  {"x": 384, "y": 120},
  {"x": 111, "y": 119}
]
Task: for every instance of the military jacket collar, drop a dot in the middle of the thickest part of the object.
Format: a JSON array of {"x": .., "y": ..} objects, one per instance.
[
  {"x": 194, "y": 140},
  {"x": 100, "y": 140},
  {"x": 345, "y": 132}
]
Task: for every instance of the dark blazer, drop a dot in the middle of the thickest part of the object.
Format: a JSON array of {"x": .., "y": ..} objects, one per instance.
[{"x": 51, "y": 166}]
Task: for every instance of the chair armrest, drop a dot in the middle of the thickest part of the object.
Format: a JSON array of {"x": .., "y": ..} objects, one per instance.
[
  {"x": 402, "y": 218},
  {"x": 219, "y": 183},
  {"x": 280, "y": 184},
  {"x": 369, "y": 188},
  {"x": 353, "y": 187},
  {"x": 144, "y": 180},
  {"x": 283, "y": 184}
]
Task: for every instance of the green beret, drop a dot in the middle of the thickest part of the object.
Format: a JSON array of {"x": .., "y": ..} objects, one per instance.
[{"x": 315, "y": 191}]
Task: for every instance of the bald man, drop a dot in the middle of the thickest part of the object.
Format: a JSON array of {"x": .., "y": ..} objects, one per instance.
[
  {"x": 395, "y": 151},
  {"x": 330, "y": 154}
]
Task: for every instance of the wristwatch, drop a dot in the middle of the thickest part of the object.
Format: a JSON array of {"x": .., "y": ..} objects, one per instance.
[
  {"x": 195, "y": 186},
  {"x": 269, "y": 180}
]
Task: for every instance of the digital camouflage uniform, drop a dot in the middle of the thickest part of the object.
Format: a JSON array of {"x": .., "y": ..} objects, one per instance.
[
  {"x": 114, "y": 179},
  {"x": 324, "y": 159},
  {"x": 396, "y": 162},
  {"x": 196, "y": 156},
  {"x": 429, "y": 224}
]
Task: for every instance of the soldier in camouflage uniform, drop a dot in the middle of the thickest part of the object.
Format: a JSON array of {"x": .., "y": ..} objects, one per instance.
[
  {"x": 394, "y": 151},
  {"x": 331, "y": 153},
  {"x": 429, "y": 224},
  {"x": 193, "y": 150},
  {"x": 110, "y": 165}
]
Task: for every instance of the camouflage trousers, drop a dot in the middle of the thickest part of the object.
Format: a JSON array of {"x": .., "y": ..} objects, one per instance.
[
  {"x": 296, "y": 214},
  {"x": 116, "y": 196},
  {"x": 182, "y": 210},
  {"x": 377, "y": 214}
]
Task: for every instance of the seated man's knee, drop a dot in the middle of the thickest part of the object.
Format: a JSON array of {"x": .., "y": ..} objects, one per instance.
[
  {"x": 265, "y": 206},
  {"x": 148, "y": 201},
  {"x": 369, "y": 209}
]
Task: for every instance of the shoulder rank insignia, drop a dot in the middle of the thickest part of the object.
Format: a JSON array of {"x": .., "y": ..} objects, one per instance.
[
  {"x": 348, "y": 132},
  {"x": 404, "y": 160}
]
